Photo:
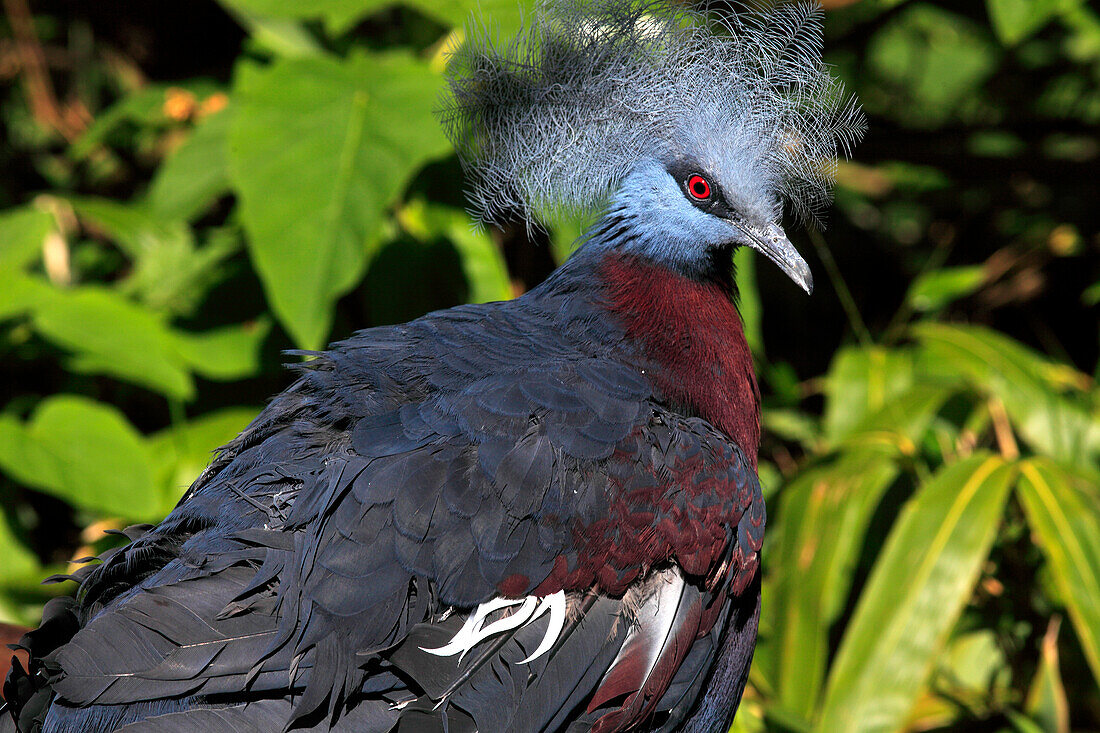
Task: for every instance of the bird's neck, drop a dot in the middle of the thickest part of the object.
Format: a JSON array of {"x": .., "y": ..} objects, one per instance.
[{"x": 690, "y": 330}]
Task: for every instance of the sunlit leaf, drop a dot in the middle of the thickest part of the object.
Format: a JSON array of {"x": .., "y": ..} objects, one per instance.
[
  {"x": 224, "y": 354},
  {"x": 180, "y": 453},
  {"x": 22, "y": 234},
  {"x": 1027, "y": 384},
  {"x": 862, "y": 381},
  {"x": 21, "y": 294},
  {"x": 86, "y": 453},
  {"x": 340, "y": 15},
  {"x": 899, "y": 425},
  {"x": 111, "y": 335},
  {"x": 920, "y": 583},
  {"x": 749, "y": 305},
  {"x": 823, "y": 518},
  {"x": 318, "y": 148},
  {"x": 934, "y": 58},
  {"x": 1015, "y": 20},
  {"x": 482, "y": 261},
  {"x": 196, "y": 174},
  {"x": 1046, "y": 700},
  {"x": 1065, "y": 521},
  {"x": 939, "y": 288}
]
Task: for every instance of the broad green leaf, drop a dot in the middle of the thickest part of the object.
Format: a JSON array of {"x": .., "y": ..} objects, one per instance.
[
  {"x": 21, "y": 294},
  {"x": 224, "y": 354},
  {"x": 340, "y": 15},
  {"x": 920, "y": 583},
  {"x": 935, "y": 57},
  {"x": 1065, "y": 522},
  {"x": 281, "y": 36},
  {"x": 25, "y": 459},
  {"x": 89, "y": 455},
  {"x": 111, "y": 335},
  {"x": 22, "y": 234},
  {"x": 1015, "y": 20},
  {"x": 862, "y": 380},
  {"x": 1029, "y": 385},
  {"x": 934, "y": 290},
  {"x": 482, "y": 261},
  {"x": 823, "y": 518},
  {"x": 318, "y": 148},
  {"x": 180, "y": 453},
  {"x": 196, "y": 174},
  {"x": 20, "y": 570}
]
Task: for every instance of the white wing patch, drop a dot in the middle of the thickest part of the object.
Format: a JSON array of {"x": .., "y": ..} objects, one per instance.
[{"x": 530, "y": 608}]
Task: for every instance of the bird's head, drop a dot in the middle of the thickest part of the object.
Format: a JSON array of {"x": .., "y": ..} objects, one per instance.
[{"x": 691, "y": 131}]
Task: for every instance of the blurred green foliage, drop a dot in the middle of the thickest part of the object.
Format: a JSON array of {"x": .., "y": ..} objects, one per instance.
[{"x": 190, "y": 192}]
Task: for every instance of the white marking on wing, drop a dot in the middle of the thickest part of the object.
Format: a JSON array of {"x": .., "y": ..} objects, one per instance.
[
  {"x": 555, "y": 604},
  {"x": 474, "y": 631}
]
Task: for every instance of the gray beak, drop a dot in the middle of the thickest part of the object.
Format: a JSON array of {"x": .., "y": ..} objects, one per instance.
[{"x": 772, "y": 242}]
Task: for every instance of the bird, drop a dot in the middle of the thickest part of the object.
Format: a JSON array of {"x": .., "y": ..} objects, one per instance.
[{"x": 540, "y": 514}]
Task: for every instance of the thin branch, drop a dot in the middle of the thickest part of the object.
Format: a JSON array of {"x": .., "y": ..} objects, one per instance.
[{"x": 36, "y": 76}]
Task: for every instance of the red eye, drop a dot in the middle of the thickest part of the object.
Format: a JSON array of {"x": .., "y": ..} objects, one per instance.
[{"x": 698, "y": 187}]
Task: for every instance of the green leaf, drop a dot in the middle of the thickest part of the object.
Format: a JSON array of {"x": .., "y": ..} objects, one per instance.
[
  {"x": 1029, "y": 385},
  {"x": 823, "y": 518},
  {"x": 169, "y": 273},
  {"x": 196, "y": 174},
  {"x": 900, "y": 424},
  {"x": 748, "y": 303},
  {"x": 934, "y": 290},
  {"x": 86, "y": 453},
  {"x": 919, "y": 585},
  {"x": 180, "y": 453},
  {"x": 22, "y": 233},
  {"x": 1046, "y": 700},
  {"x": 1015, "y": 20},
  {"x": 482, "y": 261},
  {"x": 111, "y": 335},
  {"x": 1065, "y": 521},
  {"x": 340, "y": 15},
  {"x": 22, "y": 294},
  {"x": 224, "y": 354},
  {"x": 20, "y": 565},
  {"x": 863, "y": 380},
  {"x": 25, "y": 459},
  {"x": 318, "y": 148},
  {"x": 935, "y": 57},
  {"x": 281, "y": 36},
  {"x": 144, "y": 107},
  {"x": 19, "y": 561}
]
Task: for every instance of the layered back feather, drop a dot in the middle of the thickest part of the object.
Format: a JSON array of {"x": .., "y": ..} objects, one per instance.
[{"x": 557, "y": 117}]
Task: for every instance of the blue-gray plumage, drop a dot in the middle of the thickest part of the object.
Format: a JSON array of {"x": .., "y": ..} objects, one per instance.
[{"x": 535, "y": 515}]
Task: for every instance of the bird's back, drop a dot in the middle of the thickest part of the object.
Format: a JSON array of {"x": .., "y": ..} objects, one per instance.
[{"x": 481, "y": 456}]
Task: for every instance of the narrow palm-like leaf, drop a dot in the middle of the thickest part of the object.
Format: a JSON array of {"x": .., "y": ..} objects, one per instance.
[
  {"x": 1065, "y": 522},
  {"x": 823, "y": 518},
  {"x": 919, "y": 586}
]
